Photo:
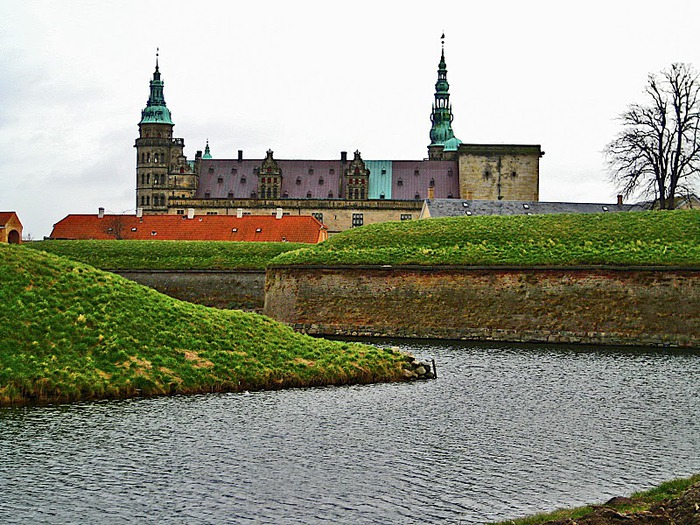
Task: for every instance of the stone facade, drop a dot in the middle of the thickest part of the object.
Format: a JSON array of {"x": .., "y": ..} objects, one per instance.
[
  {"x": 613, "y": 306},
  {"x": 337, "y": 215},
  {"x": 499, "y": 172}
]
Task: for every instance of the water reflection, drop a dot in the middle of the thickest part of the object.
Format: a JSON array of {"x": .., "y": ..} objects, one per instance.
[{"x": 503, "y": 432}]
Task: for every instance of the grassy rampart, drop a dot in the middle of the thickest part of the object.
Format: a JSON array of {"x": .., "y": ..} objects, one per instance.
[
  {"x": 71, "y": 332},
  {"x": 169, "y": 255},
  {"x": 625, "y": 239}
]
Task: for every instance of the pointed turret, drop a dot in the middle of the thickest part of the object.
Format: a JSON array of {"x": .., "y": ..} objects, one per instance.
[
  {"x": 156, "y": 111},
  {"x": 442, "y": 138},
  {"x": 207, "y": 152}
]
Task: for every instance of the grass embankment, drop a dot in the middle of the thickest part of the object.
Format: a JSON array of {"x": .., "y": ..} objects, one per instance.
[
  {"x": 169, "y": 255},
  {"x": 626, "y": 239},
  {"x": 669, "y": 502},
  {"x": 71, "y": 332}
]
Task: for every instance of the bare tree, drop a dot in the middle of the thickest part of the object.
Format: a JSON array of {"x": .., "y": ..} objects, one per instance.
[
  {"x": 115, "y": 226},
  {"x": 657, "y": 153}
]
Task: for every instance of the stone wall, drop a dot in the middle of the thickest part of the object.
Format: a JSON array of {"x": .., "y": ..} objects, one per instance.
[
  {"x": 642, "y": 306},
  {"x": 241, "y": 289},
  {"x": 499, "y": 172}
]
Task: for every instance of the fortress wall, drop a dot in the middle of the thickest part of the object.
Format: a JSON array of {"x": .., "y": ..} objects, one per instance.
[
  {"x": 645, "y": 306},
  {"x": 238, "y": 289}
]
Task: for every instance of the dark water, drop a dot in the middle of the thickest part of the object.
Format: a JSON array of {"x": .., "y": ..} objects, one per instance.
[{"x": 505, "y": 431}]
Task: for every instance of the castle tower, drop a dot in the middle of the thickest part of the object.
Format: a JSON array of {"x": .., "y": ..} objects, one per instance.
[
  {"x": 443, "y": 143},
  {"x": 162, "y": 170}
]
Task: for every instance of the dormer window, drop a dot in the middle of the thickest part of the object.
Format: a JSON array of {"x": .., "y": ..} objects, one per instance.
[
  {"x": 207, "y": 195},
  {"x": 308, "y": 195},
  {"x": 220, "y": 180},
  {"x": 298, "y": 181},
  {"x": 211, "y": 169},
  {"x": 243, "y": 179},
  {"x": 449, "y": 172},
  {"x": 320, "y": 181},
  {"x": 311, "y": 171},
  {"x": 230, "y": 195},
  {"x": 383, "y": 171},
  {"x": 417, "y": 196},
  {"x": 234, "y": 170},
  {"x": 432, "y": 183},
  {"x": 399, "y": 182},
  {"x": 331, "y": 171},
  {"x": 416, "y": 172}
]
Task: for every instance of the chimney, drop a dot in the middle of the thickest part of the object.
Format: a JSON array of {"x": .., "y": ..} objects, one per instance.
[
  {"x": 139, "y": 212},
  {"x": 198, "y": 155},
  {"x": 279, "y": 213},
  {"x": 190, "y": 213},
  {"x": 100, "y": 213},
  {"x": 240, "y": 155},
  {"x": 619, "y": 200},
  {"x": 343, "y": 156},
  {"x": 239, "y": 213}
]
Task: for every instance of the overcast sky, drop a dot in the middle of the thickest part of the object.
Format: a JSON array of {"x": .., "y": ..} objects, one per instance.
[{"x": 309, "y": 79}]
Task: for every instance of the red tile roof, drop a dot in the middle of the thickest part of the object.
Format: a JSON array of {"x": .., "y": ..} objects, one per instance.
[
  {"x": 265, "y": 228},
  {"x": 5, "y": 217}
]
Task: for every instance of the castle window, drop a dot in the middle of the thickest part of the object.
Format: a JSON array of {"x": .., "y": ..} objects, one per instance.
[
  {"x": 320, "y": 181},
  {"x": 406, "y": 217},
  {"x": 449, "y": 172},
  {"x": 318, "y": 216},
  {"x": 513, "y": 174},
  {"x": 155, "y": 158},
  {"x": 220, "y": 180},
  {"x": 357, "y": 220},
  {"x": 180, "y": 212},
  {"x": 487, "y": 174},
  {"x": 416, "y": 172},
  {"x": 148, "y": 200}
]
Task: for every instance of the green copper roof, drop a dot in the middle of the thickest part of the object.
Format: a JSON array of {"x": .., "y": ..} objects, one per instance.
[
  {"x": 156, "y": 111},
  {"x": 441, "y": 117},
  {"x": 207, "y": 152}
]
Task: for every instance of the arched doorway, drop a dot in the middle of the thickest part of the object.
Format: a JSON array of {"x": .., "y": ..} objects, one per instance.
[{"x": 13, "y": 237}]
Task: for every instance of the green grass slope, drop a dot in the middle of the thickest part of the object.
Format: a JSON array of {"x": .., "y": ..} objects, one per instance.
[
  {"x": 662, "y": 504},
  {"x": 71, "y": 332},
  {"x": 169, "y": 255},
  {"x": 639, "y": 238}
]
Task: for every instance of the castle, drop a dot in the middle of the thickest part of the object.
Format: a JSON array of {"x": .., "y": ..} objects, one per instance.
[{"x": 341, "y": 193}]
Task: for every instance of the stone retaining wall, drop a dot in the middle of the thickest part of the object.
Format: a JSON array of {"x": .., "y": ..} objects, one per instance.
[
  {"x": 240, "y": 289},
  {"x": 593, "y": 305}
]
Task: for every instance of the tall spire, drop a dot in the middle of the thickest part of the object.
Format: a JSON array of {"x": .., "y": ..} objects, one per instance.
[
  {"x": 207, "y": 151},
  {"x": 156, "y": 111},
  {"x": 441, "y": 133}
]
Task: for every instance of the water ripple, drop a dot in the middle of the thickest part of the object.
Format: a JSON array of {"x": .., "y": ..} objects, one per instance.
[{"x": 505, "y": 431}]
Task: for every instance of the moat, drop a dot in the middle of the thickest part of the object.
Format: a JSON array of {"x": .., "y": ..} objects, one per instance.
[{"x": 504, "y": 431}]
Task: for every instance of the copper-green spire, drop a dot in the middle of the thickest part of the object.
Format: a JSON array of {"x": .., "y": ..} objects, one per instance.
[
  {"x": 207, "y": 152},
  {"x": 156, "y": 111},
  {"x": 441, "y": 133}
]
